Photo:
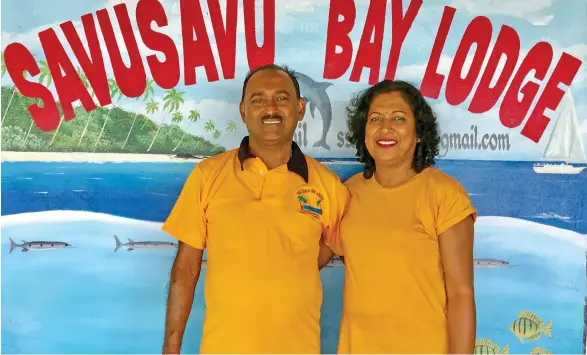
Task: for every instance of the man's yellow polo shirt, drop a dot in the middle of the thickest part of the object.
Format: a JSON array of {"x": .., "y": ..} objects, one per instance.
[{"x": 262, "y": 230}]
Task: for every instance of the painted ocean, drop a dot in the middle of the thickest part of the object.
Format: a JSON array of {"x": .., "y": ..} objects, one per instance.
[{"x": 89, "y": 298}]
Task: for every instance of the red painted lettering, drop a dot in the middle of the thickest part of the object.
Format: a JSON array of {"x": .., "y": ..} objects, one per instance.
[
  {"x": 336, "y": 64},
  {"x": 226, "y": 36},
  {"x": 92, "y": 65},
  {"x": 508, "y": 43},
  {"x": 512, "y": 111},
  {"x": 132, "y": 81},
  {"x": 565, "y": 71},
  {"x": 400, "y": 26},
  {"x": 265, "y": 54},
  {"x": 369, "y": 53},
  {"x": 198, "y": 52},
  {"x": 432, "y": 81},
  {"x": 478, "y": 32},
  {"x": 69, "y": 86},
  {"x": 19, "y": 59},
  {"x": 165, "y": 73}
]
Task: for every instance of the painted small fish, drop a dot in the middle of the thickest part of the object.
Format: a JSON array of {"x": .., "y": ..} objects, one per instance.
[
  {"x": 38, "y": 245},
  {"x": 528, "y": 326},
  {"x": 335, "y": 262},
  {"x": 540, "y": 351},
  {"x": 150, "y": 245},
  {"x": 485, "y": 346},
  {"x": 490, "y": 263}
]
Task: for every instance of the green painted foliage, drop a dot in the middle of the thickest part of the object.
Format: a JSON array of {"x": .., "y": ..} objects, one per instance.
[{"x": 84, "y": 132}]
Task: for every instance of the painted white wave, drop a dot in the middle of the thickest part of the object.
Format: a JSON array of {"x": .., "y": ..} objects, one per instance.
[
  {"x": 97, "y": 158},
  {"x": 483, "y": 222},
  {"x": 565, "y": 235},
  {"x": 60, "y": 216}
]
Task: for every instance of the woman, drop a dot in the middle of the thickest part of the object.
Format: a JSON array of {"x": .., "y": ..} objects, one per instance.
[{"x": 407, "y": 238}]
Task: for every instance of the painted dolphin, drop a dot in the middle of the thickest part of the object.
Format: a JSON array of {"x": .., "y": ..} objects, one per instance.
[
  {"x": 38, "y": 245},
  {"x": 315, "y": 94},
  {"x": 132, "y": 245}
]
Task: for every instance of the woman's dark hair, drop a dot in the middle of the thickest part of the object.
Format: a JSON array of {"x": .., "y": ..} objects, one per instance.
[{"x": 426, "y": 125}]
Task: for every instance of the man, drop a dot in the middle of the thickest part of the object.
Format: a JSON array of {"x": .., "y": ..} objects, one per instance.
[{"x": 264, "y": 212}]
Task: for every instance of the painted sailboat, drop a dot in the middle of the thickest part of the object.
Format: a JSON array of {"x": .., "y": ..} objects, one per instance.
[{"x": 565, "y": 144}]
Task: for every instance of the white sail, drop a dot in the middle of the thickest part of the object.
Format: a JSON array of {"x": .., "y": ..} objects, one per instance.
[{"x": 565, "y": 143}]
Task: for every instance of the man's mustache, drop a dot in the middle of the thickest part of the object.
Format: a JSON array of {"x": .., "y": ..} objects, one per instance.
[{"x": 273, "y": 116}]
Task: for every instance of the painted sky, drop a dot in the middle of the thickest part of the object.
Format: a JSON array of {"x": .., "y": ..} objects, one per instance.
[{"x": 300, "y": 43}]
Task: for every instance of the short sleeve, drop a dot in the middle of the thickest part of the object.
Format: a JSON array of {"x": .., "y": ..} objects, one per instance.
[
  {"x": 186, "y": 221},
  {"x": 452, "y": 204},
  {"x": 339, "y": 204}
]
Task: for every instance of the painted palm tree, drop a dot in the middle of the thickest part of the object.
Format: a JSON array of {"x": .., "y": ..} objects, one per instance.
[
  {"x": 177, "y": 118},
  {"x": 3, "y": 65},
  {"x": 302, "y": 200},
  {"x": 110, "y": 83},
  {"x": 44, "y": 79},
  {"x": 172, "y": 100},
  {"x": 92, "y": 95},
  {"x": 116, "y": 94},
  {"x": 230, "y": 126},
  {"x": 152, "y": 107},
  {"x": 86, "y": 84},
  {"x": 193, "y": 117},
  {"x": 14, "y": 90},
  {"x": 209, "y": 126},
  {"x": 217, "y": 134},
  {"x": 149, "y": 91}
]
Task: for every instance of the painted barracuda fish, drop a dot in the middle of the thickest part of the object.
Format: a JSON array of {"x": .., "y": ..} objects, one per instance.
[
  {"x": 38, "y": 245},
  {"x": 150, "y": 245}
]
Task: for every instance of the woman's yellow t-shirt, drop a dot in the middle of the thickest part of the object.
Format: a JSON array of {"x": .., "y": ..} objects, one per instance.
[{"x": 394, "y": 293}]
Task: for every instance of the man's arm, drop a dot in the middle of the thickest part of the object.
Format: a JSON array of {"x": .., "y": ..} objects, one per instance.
[
  {"x": 330, "y": 243},
  {"x": 456, "y": 250},
  {"x": 184, "y": 277},
  {"x": 325, "y": 255}
]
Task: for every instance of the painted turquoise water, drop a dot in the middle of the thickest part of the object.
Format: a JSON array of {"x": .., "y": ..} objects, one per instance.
[{"x": 90, "y": 299}]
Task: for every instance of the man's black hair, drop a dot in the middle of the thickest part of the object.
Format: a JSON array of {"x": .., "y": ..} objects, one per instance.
[{"x": 282, "y": 68}]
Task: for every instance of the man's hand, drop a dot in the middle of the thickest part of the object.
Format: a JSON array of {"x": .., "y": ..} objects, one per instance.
[
  {"x": 184, "y": 277},
  {"x": 325, "y": 255}
]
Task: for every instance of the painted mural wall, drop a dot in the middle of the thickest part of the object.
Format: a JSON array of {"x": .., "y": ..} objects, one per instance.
[{"x": 108, "y": 105}]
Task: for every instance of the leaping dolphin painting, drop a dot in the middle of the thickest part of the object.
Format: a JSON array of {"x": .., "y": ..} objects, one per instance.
[{"x": 314, "y": 93}]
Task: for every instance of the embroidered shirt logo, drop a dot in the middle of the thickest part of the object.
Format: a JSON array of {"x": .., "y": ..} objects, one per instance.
[{"x": 310, "y": 202}]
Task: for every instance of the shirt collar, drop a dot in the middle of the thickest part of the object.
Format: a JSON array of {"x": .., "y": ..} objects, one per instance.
[{"x": 297, "y": 162}]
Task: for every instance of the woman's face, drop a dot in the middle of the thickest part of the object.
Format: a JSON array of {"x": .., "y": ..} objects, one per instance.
[{"x": 390, "y": 134}]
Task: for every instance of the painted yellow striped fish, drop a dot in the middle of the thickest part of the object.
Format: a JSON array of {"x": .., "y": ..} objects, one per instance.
[
  {"x": 540, "y": 351},
  {"x": 528, "y": 326},
  {"x": 485, "y": 346}
]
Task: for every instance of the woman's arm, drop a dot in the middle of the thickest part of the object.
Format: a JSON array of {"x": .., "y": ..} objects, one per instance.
[{"x": 456, "y": 251}]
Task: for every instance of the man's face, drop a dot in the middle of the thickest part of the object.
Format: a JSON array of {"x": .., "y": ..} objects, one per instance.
[{"x": 270, "y": 108}]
